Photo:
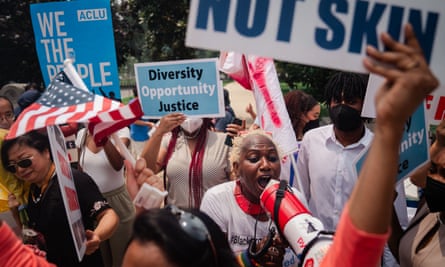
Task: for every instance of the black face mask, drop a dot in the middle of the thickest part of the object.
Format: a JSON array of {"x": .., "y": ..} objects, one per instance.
[
  {"x": 345, "y": 118},
  {"x": 434, "y": 195}
]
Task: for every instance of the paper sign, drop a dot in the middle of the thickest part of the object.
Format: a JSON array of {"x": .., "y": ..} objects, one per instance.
[
  {"x": 67, "y": 188},
  {"x": 414, "y": 148},
  {"x": 323, "y": 33},
  {"x": 83, "y": 31},
  {"x": 191, "y": 87}
]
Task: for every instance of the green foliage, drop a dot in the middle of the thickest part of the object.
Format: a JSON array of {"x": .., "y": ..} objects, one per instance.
[
  {"x": 302, "y": 77},
  {"x": 164, "y": 25},
  {"x": 129, "y": 34},
  {"x": 18, "y": 55}
]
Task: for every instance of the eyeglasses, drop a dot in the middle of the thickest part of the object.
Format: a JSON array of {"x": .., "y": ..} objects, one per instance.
[
  {"x": 23, "y": 163},
  {"x": 193, "y": 227},
  {"x": 7, "y": 116}
]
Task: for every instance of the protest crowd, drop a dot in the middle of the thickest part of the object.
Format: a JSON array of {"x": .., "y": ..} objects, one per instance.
[{"x": 207, "y": 180}]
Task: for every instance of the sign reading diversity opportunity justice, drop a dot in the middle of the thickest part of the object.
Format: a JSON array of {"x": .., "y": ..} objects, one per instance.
[{"x": 191, "y": 87}]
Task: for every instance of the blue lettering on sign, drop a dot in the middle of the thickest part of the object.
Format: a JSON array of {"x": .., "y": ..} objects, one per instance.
[
  {"x": 220, "y": 13},
  {"x": 395, "y": 22},
  {"x": 426, "y": 38},
  {"x": 286, "y": 19},
  {"x": 365, "y": 19},
  {"x": 338, "y": 30},
  {"x": 365, "y": 26},
  {"x": 259, "y": 17}
]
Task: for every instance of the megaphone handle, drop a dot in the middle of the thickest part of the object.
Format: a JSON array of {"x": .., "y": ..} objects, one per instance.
[{"x": 276, "y": 210}]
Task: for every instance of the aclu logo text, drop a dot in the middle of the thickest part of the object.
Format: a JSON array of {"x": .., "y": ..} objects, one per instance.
[{"x": 92, "y": 14}]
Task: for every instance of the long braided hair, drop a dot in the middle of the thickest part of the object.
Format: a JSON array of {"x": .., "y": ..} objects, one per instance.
[{"x": 195, "y": 168}]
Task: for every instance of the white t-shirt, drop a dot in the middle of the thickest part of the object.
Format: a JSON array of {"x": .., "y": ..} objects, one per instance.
[{"x": 220, "y": 204}]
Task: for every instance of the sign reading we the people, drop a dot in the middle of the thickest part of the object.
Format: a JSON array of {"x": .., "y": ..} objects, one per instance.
[
  {"x": 191, "y": 87},
  {"x": 82, "y": 31}
]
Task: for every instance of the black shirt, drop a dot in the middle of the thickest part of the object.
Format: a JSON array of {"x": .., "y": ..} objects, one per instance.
[{"x": 48, "y": 216}]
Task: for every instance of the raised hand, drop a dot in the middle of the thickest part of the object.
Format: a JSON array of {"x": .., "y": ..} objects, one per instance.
[{"x": 408, "y": 77}]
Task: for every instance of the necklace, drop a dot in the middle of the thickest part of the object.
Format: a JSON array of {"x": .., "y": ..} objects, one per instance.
[{"x": 38, "y": 192}]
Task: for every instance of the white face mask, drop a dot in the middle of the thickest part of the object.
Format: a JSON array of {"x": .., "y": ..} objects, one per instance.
[{"x": 190, "y": 125}]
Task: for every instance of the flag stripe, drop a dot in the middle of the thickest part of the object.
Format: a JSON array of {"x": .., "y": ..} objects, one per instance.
[
  {"x": 104, "y": 123},
  {"x": 258, "y": 70},
  {"x": 64, "y": 103},
  {"x": 59, "y": 114}
]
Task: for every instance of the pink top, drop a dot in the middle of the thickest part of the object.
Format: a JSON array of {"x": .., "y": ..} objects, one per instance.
[
  {"x": 14, "y": 253},
  {"x": 353, "y": 247}
]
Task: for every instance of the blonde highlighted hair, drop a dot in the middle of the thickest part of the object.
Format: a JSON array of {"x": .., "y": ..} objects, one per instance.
[{"x": 238, "y": 141}]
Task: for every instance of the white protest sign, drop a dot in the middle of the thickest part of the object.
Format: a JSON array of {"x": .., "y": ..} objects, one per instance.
[
  {"x": 67, "y": 188},
  {"x": 324, "y": 33}
]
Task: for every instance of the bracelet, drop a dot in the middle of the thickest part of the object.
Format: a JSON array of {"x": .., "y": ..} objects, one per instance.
[
  {"x": 440, "y": 219},
  {"x": 244, "y": 260}
]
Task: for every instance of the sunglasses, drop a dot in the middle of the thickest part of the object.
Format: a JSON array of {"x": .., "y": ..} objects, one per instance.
[
  {"x": 23, "y": 163},
  {"x": 193, "y": 227}
]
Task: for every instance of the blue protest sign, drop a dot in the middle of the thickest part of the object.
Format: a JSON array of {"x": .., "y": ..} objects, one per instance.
[
  {"x": 83, "y": 31},
  {"x": 191, "y": 87},
  {"x": 414, "y": 148}
]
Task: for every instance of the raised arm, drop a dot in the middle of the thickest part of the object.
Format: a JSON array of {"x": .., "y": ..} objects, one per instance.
[
  {"x": 14, "y": 253},
  {"x": 408, "y": 81},
  {"x": 152, "y": 149}
]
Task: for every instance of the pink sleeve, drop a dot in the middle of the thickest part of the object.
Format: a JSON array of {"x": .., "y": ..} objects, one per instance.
[
  {"x": 353, "y": 247},
  {"x": 14, "y": 253}
]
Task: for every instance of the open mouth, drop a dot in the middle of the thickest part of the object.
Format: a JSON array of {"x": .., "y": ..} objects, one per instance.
[{"x": 264, "y": 180}]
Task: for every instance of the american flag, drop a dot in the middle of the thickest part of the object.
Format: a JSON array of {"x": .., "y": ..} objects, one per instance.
[{"x": 63, "y": 103}]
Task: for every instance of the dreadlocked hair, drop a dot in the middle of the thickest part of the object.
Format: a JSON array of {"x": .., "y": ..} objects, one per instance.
[
  {"x": 195, "y": 168},
  {"x": 346, "y": 86}
]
